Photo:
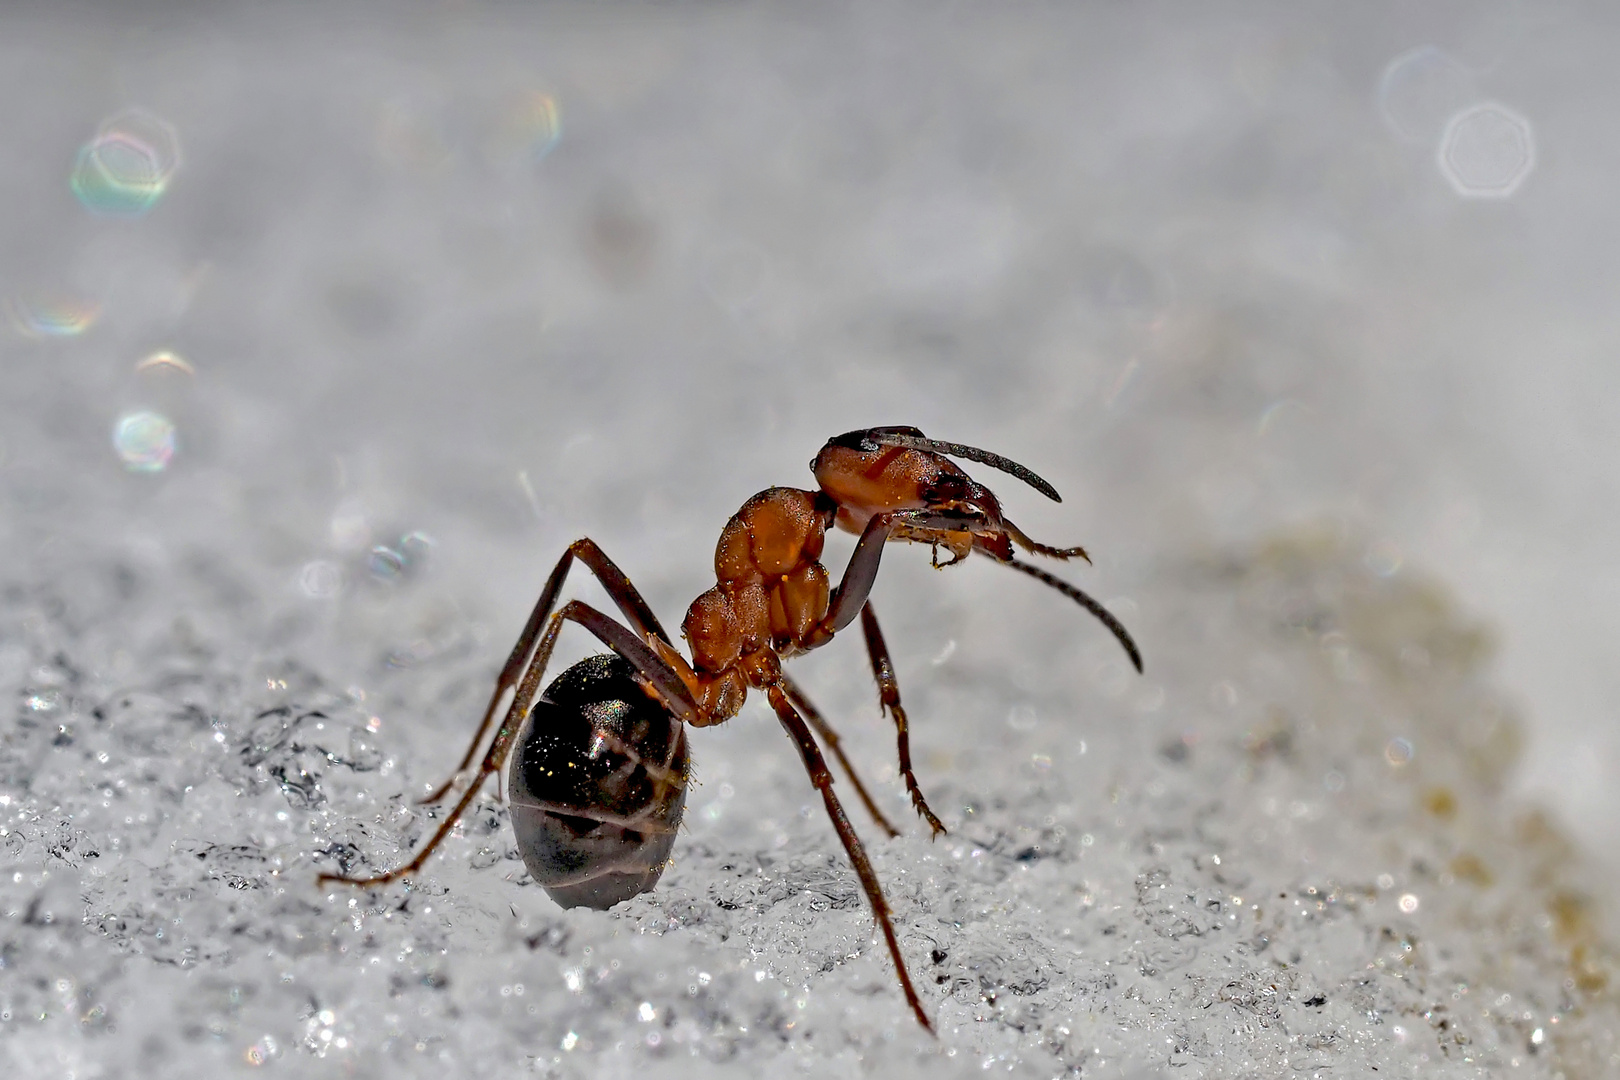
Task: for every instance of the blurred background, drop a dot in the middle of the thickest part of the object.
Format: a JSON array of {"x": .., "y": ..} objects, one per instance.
[
  {"x": 325, "y": 328},
  {"x": 350, "y": 320}
]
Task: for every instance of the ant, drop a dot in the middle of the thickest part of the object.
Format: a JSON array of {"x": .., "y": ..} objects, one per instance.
[{"x": 598, "y": 783}]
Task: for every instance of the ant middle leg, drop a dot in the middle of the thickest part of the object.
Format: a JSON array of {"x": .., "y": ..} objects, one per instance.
[
  {"x": 665, "y": 685},
  {"x": 830, "y": 737},
  {"x": 823, "y": 781},
  {"x": 629, "y": 601},
  {"x": 889, "y": 699}
]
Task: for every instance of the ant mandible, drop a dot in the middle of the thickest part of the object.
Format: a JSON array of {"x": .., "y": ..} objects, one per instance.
[{"x": 598, "y": 785}]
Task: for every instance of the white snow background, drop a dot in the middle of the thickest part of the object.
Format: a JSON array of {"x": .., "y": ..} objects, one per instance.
[{"x": 1306, "y": 309}]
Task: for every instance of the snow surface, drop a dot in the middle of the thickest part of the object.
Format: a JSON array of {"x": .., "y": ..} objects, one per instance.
[{"x": 1328, "y": 418}]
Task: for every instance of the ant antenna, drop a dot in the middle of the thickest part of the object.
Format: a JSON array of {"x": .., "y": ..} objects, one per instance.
[
  {"x": 1103, "y": 615},
  {"x": 966, "y": 453}
]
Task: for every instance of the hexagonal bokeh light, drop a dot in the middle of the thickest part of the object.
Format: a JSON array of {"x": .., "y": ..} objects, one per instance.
[
  {"x": 126, "y": 168},
  {"x": 1487, "y": 151}
]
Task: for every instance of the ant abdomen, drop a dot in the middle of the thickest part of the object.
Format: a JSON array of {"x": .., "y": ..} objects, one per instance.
[{"x": 597, "y": 785}]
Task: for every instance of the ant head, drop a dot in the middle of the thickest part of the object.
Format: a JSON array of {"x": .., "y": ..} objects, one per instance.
[
  {"x": 898, "y": 468},
  {"x": 873, "y": 447}
]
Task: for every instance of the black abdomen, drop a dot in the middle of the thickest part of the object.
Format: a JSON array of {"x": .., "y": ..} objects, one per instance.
[{"x": 598, "y": 785}]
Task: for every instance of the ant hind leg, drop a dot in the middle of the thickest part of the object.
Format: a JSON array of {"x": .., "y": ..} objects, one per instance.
[
  {"x": 522, "y": 701},
  {"x": 618, "y": 586},
  {"x": 662, "y": 681}
]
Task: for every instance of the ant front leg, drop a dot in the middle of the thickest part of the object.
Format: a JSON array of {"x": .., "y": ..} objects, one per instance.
[
  {"x": 850, "y": 596},
  {"x": 665, "y": 685},
  {"x": 889, "y": 699},
  {"x": 624, "y": 595}
]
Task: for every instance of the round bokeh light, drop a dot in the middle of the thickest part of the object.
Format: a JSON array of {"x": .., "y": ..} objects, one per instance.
[{"x": 145, "y": 441}]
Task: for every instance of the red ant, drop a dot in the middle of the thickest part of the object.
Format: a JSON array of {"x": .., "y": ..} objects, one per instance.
[{"x": 598, "y": 784}]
